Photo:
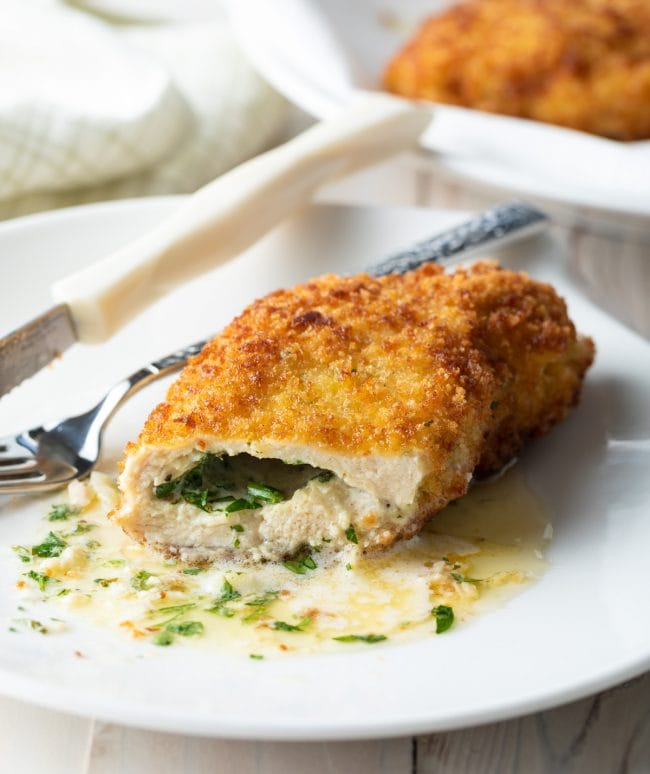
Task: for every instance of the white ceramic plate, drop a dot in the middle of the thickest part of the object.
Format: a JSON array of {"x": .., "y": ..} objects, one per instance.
[
  {"x": 583, "y": 627},
  {"x": 324, "y": 53}
]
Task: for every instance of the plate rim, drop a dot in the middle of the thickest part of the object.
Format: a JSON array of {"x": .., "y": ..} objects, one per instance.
[{"x": 75, "y": 703}]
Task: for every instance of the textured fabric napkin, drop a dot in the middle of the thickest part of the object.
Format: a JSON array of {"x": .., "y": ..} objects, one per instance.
[{"x": 91, "y": 110}]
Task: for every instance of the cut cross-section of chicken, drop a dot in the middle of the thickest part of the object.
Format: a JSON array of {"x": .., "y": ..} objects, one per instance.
[{"x": 349, "y": 410}]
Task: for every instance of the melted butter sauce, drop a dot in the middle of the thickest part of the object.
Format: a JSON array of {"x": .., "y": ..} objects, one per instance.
[{"x": 475, "y": 555}]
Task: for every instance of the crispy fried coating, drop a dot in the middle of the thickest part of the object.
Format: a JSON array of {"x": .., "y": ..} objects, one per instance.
[
  {"x": 583, "y": 64},
  {"x": 363, "y": 366},
  {"x": 401, "y": 387}
]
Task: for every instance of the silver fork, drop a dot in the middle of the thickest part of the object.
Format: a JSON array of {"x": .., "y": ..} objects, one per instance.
[{"x": 51, "y": 456}]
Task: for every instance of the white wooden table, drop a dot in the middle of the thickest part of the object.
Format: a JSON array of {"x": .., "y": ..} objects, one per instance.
[{"x": 609, "y": 732}]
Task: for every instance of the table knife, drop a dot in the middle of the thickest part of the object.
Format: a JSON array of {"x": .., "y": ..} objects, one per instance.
[{"x": 214, "y": 224}]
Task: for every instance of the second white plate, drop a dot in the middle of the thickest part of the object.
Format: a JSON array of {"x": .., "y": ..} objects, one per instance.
[{"x": 324, "y": 53}]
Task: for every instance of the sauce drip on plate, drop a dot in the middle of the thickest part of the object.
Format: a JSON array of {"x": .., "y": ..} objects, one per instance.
[{"x": 475, "y": 555}]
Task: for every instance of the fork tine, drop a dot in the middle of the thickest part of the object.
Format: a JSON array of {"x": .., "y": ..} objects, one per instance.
[
  {"x": 17, "y": 465},
  {"x": 49, "y": 457},
  {"x": 22, "y": 486},
  {"x": 11, "y": 449},
  {"x": 31, "y": 474},
  {"x": 20, "y": 476},
  {"x": 16, "y": 461}
]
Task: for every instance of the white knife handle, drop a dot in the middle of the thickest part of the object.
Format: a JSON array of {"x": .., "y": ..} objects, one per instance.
[{"x": 229, "y": 214}]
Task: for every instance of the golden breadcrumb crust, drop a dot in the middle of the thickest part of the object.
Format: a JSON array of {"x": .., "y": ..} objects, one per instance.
[
  {"x": 427, "y": 362},
  {"x": 583, "y": 64}
]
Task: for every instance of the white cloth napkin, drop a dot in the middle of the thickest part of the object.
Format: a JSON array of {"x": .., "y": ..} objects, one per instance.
[{"x": 91, "y": 110}]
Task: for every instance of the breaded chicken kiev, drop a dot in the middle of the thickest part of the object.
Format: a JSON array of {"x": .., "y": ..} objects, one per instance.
[
  {"x": 349, "y": 409},
  {"x": 584, "y": 64}
]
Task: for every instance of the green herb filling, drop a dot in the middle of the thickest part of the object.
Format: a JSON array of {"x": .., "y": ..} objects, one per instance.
[
  {"x": 444, "y": 616},
  {"x": 371, "y": 639}
]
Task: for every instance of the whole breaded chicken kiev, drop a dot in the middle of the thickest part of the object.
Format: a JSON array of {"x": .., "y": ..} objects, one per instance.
[
  {"x": 349, "y": 409},
  {"x": 583, "y": 64}
]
